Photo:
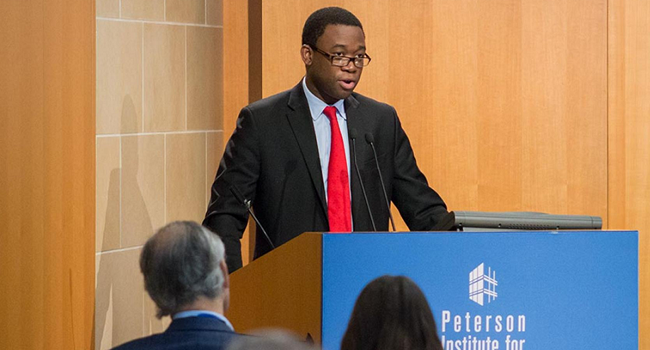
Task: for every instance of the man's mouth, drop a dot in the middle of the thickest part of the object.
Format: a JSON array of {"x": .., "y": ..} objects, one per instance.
[{"x": 347, "y": 84}]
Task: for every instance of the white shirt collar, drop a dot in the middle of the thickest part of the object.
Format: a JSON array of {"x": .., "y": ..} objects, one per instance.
[{"x": 316, "y": 105}]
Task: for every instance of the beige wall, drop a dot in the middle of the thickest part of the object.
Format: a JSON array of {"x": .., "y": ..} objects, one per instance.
[
  {"x": 47, "y": 174},
  {"x": 159, "y": 139}
]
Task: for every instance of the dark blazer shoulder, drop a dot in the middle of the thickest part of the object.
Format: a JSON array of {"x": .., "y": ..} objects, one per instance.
[
  {"x": 370, "y": 105},
  {"x": 187, "y": 333},
  {"x": 369, "y": 101},
  {"x": 274, "y": 102}
]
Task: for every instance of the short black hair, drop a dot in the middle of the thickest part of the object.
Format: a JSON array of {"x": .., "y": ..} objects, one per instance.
[{"x": 317, "y": 21}]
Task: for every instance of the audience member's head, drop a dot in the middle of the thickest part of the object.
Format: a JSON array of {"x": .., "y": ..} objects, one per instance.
[
  {"x": 184, "y": 268},
  {"x": 270, "y": 340},
  {"x": 391, "y": 313}
]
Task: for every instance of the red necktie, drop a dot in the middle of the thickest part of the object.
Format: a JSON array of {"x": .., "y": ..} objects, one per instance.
[{"x": 338, "y": 185}]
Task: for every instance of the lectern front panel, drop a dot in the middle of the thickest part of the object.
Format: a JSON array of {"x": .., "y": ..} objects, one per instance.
[{"x": 509, "y": 291}]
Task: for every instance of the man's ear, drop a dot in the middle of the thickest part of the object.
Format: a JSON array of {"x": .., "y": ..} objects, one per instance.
[
  {"x": 307, "y": 54},
  {"x": 224, "y": 270}
]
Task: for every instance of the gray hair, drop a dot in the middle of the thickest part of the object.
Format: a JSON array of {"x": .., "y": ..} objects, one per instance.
[{"x": 180, "y": 263}]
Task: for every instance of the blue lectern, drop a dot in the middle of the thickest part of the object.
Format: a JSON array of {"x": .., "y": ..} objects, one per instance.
[{"x": 496, "y": 290}]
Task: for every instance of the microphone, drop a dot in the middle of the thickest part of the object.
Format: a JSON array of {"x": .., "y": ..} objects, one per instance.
[
  {"x": 353, "y": 135},
  {"x": 371, "y": 140},
  {"x": 247, "y": 203}
]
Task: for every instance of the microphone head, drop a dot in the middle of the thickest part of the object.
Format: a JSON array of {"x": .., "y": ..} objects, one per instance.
[
  {"x": 369, "y": 138},
  {"x": 352, "y": 133}
]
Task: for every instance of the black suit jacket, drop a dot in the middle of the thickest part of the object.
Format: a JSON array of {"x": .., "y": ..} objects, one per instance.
[
  {"x": 272, "y": 159},
  {"x": 201, "y": 333}
]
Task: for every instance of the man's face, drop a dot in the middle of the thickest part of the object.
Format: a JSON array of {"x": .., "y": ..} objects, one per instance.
[{"x": 331, "y": 83}]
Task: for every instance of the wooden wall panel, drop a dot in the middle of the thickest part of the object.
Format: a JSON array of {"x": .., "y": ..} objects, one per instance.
[
  {"x": 504, "y": 101},
  {"x": 20, "y": 96},
  {"x": 629, "y": 135},
  {"x": 510, "y": 105},
  {"x": 236, "y": 81},
  {"x": 587, "y": 108},
  {"x": 47, "y": 129},
  {"x": 499, "y": 109},
  {"x": 451, "y": 125},
  {"x": 545, "y": 134},
  {"x": 291, "y": 298}
]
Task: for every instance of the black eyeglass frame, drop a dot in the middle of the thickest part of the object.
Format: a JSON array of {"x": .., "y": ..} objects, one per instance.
[{"x": 345, "y": 60}]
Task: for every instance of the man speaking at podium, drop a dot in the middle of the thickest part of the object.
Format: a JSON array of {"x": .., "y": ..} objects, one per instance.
[{"x": 304, "y": 158}]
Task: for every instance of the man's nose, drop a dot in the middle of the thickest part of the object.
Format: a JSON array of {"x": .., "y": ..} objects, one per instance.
[{"x": 350, "y": 67}]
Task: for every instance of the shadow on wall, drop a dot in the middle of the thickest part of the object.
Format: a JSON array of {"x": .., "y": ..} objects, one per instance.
[{"x": 123, "y": 310}]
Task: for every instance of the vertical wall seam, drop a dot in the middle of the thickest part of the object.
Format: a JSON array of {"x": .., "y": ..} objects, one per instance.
[
  {"x": 205, "y": 175},
  {"x": 120, "y": 187},
  {"x": 142, "y": 68},
  {"x": 186, "y": 77},
  {"x": 607, "y": 126},
  {"x": 165, "y": 178}
]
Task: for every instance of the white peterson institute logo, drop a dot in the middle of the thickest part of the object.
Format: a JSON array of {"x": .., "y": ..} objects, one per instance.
[{"x": 482, "y": 286}]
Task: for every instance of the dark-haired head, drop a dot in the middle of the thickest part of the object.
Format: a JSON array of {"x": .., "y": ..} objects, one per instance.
[
  {"x": 330, "y": 34},
  {"x": 391, "y": 313},
  {"x": 317, "y": 21}
]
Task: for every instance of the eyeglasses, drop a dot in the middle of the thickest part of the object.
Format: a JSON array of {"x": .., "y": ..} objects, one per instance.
[{"x": 343, "y": 61}]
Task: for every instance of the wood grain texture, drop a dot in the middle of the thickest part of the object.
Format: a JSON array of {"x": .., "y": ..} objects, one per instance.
[
  {"x": 235, "y": 62},
  {"x": 47, "y": 182},
  {"x": 235, "y": 81},
  {"x": 504, "y": 101},
  {"x": 629, "y": 135},
  {"x": 281, "y": 289}
]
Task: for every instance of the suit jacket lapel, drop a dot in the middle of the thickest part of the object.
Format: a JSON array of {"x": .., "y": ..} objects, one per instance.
[{"x": 301, "y": 123}]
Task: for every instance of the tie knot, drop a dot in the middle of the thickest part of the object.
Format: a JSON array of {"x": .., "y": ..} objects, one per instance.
[{"x": 330, "y": 112}]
